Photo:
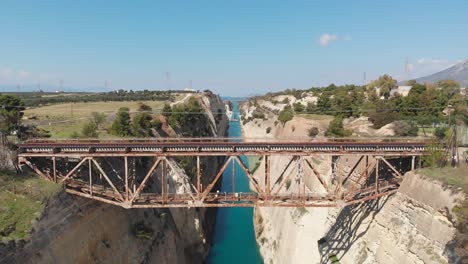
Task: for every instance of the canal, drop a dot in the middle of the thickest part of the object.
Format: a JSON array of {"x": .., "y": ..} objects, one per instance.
[{"x": 234, "y": 236}]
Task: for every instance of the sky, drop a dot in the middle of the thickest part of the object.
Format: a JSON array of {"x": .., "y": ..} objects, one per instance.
[{"x": 233, "y": 47}]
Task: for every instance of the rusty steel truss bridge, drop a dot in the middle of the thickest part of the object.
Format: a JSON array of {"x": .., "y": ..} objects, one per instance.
[{"x": 140, "y": 174}]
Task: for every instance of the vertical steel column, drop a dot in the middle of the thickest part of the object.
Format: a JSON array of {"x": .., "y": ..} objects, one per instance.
[
  {"x": 412, "y": 162},
  {"x": 55, "y": 169},
  {"x": 163, "y": 167},
  {"x": 377, "y": 175},
  {"x": 198, "y": 176},
  {"x": 267, "y": 176},
  {"x": 233, "y": 178},
  {"x": 367, "y": 165},
  {"x": 90, "y": 177},
  {"x": 126, "y": 178}
]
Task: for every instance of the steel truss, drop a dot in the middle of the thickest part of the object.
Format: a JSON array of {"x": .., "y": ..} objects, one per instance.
[{"x": 96, "y": 178}]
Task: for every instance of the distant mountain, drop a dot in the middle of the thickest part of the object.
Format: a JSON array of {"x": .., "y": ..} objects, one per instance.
[{"x": 458, "y": 72}]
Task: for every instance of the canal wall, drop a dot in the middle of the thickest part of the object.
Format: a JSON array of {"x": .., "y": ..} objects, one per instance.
[
  {"x": 416, "y": 225},
  {"x": 78, "y": 230}
]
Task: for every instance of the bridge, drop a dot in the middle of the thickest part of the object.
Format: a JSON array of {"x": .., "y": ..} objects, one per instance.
[{"x": 148, "y": 174}]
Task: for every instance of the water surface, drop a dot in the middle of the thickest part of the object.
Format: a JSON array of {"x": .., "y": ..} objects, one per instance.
[{"x": 234, "y": 238}]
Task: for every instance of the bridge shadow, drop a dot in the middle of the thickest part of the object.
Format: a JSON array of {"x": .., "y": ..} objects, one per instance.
[{"x": 352, "y": 223}]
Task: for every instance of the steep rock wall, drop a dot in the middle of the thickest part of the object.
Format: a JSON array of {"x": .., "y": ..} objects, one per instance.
[
  {"x": 78, "y": 230},
  {"x": 412, "y": 226}
]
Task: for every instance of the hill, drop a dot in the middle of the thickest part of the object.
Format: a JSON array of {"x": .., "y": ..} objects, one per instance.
[{"x": 458, "y": 72}]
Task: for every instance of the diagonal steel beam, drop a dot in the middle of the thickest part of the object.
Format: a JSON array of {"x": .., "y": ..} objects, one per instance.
[
  {"x": 391, "y": 167},
  {"x": 211, "y": 185},
  {"x": 317, "y": 174},
  {"x": 247, "y": 172},
  {"x": 73, "y": 170},
  {"x": 284, "y": 170},
  {"x": 37, "y": 170},
  {"x": 285, "y": 179},
  {"x": 188, "y": 181},
  {"x": 352, "y": 170},
  {"x": 148, "y": 175},
  {"x": 108, "y": 180},
  {"x": 367, "y": 174}
]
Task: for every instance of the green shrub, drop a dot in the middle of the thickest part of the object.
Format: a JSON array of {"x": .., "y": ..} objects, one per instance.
[
  {"x": 313, "y": 131},
  {"x": 336, "y": 129},
  {"x": 89, "y": 130}
]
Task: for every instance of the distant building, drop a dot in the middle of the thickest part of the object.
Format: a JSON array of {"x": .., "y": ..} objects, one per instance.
[
  {"x": 402, "y": 90},
  {"x": 463, "y": 91}
]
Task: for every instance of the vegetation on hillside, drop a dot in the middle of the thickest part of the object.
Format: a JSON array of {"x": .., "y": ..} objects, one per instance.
[
  {"x": 424, "y": 105},
  {"x": 22, "y": 199},
  {"x": 42, "y": 98}
]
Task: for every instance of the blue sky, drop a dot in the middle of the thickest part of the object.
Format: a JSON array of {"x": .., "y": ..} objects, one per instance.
[{"x": 240, "y": 47}]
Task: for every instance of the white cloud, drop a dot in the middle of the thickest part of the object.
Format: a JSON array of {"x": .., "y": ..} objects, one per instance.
[{"x": 326, "y": 39}]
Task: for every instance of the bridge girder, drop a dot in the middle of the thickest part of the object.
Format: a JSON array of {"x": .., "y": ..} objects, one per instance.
[{"x": 129, "y": 192}]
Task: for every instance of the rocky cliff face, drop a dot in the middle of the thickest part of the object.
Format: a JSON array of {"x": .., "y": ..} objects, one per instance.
[
  {"x": 413, "y": 226},
  {"x": 79, "y": 230}
]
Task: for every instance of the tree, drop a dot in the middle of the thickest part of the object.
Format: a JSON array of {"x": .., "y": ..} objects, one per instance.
[
  {"x": 89, "y": 130},
  {"x": 167, "y": 110},
  {"x": 440, "y": 133},
  {"x": 311, "y": 107},
  {"x": 298, "y": 107},
  {"x": 336, "y": 128},
  {"x": 11, "y": 108},
  {"x": 141, "y": 124},
  {"x": 313, "y": 132},
  {"x": 403, "y": 129},
  {"x": 98, "y": 118},
  {"x": 385, "y": 83},
  {"x": 450, "y": 87},
  {"x": 121, "y": 125},
  {"x": 144, "y": 108},
  {"x": 324, "y": 103},
  {"x": 286, "y": 114}
]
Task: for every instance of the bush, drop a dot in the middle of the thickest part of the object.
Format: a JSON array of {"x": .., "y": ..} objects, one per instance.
[
  {"x": 298, "y": 107},
  {"x": 440, "y": 133},
  {"x": 268, "y": 130},
  {"x": 98, "y": 118},
  {"x": 403, "y": 129},
  {"x": 336, "y": 128},
  {"x": 90, "y": 130},
  {"x": 313, "y": 131},
  {"x": 381, "y": 118},
  {"x": 141, "y": 125}
]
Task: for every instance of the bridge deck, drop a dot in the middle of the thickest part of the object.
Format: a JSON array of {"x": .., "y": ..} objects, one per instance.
[{"x": 219, "y": 147}]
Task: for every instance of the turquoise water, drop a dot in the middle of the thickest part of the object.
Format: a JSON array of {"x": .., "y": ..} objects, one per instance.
[{"x": 234, "y": 237}]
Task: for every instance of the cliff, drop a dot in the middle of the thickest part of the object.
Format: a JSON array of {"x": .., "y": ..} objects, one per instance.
[
  {"x": 416, "y": 225},
  {"x": 78, "y": 230}
]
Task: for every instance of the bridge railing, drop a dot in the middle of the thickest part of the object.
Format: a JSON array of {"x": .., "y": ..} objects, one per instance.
[{"x": 231, "y": 139}]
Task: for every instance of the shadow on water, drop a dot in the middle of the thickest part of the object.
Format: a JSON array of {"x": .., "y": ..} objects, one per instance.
[{"x": 352, "y": 223}]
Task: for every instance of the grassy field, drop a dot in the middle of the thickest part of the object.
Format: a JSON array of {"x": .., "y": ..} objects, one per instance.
[
  {"x": 59, "y": 112},
  {"x": 64, "y": 119},
  {"x": 22, "y": 199},
  {"x": 457, "y": 177}
]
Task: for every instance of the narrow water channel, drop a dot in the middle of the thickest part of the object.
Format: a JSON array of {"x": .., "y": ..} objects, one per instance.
[{"x": 234, "y": 236}]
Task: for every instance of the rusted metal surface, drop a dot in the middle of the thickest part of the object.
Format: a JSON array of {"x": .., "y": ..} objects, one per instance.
[{"x": 132, "y": 191}]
